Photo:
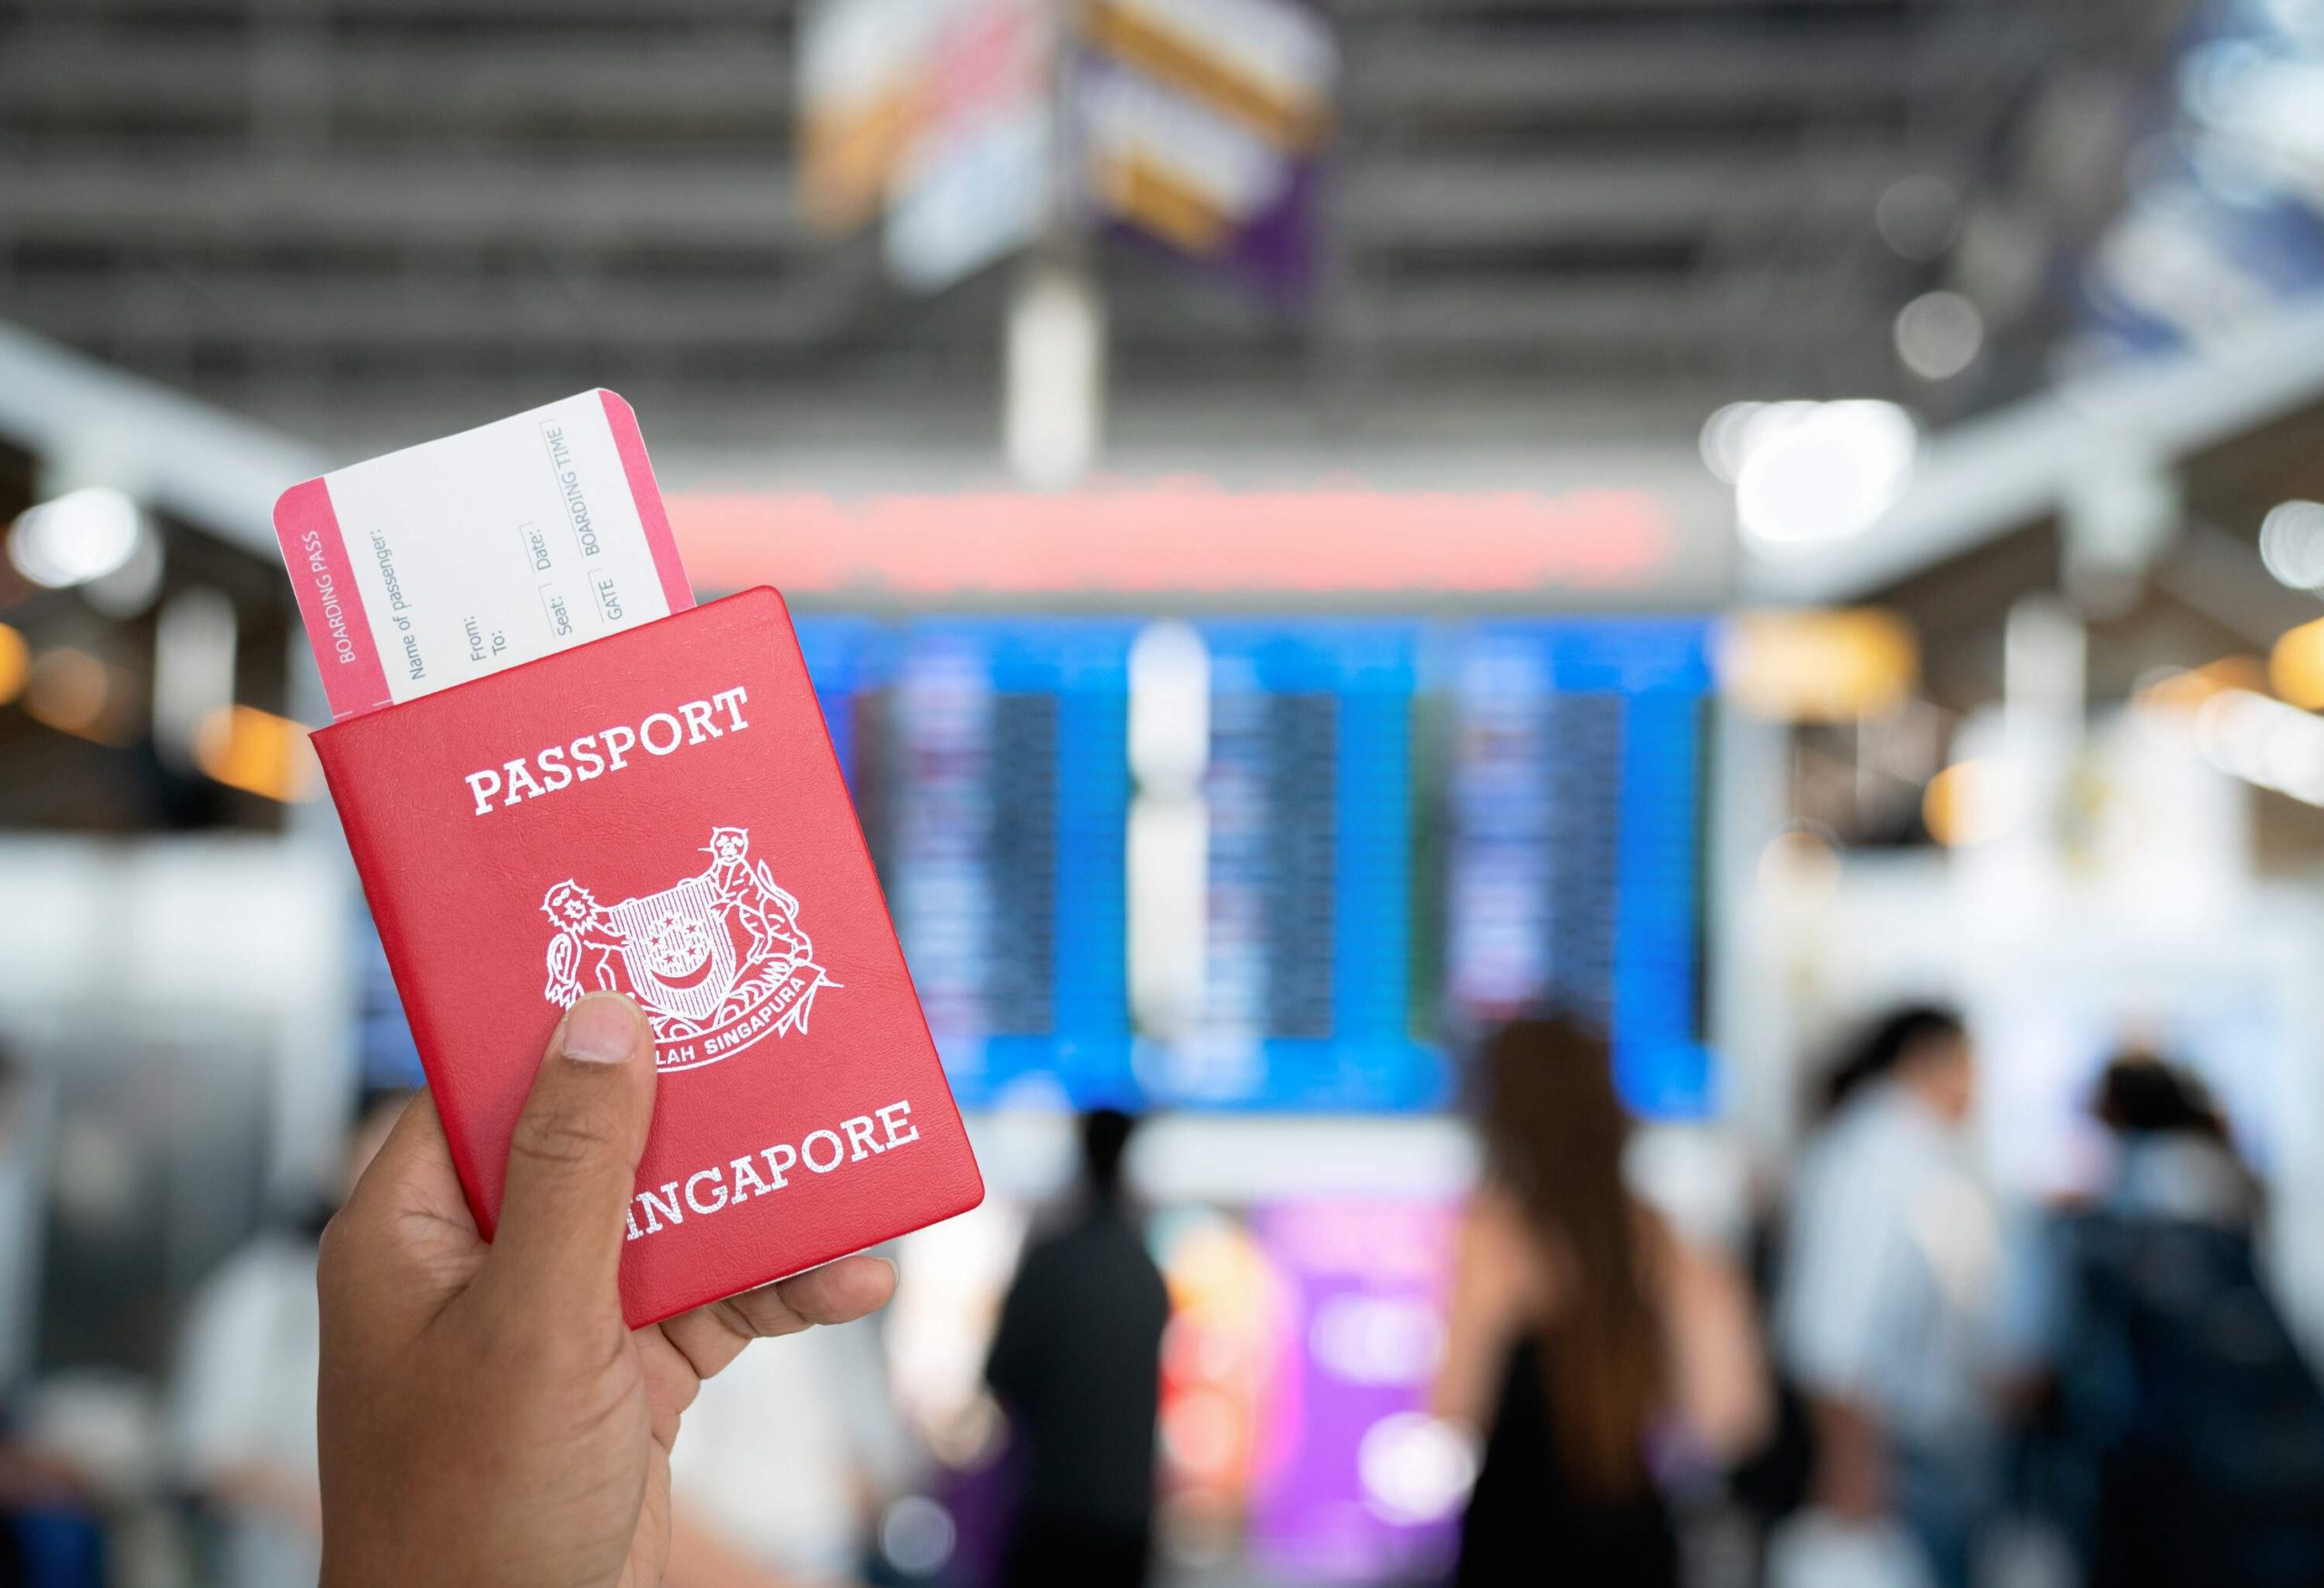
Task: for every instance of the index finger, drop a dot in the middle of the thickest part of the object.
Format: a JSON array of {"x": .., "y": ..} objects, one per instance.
[{"x": 408, "y": 1209}]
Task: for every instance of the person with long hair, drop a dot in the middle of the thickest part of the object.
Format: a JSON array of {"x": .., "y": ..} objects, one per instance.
[{"x": 1589, "y": 1345}]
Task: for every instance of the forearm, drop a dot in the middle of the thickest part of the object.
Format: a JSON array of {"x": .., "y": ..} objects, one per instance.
[
  {"x": 1718, "y": 1359},
  {"x": 1851, "y": 1458}
]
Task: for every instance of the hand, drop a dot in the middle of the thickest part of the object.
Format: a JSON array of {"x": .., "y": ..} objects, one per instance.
[{"x": 485, "y": 1417}]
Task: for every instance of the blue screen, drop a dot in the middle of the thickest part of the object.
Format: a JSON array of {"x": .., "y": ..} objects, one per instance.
[{"x": 1407, "y": 831}]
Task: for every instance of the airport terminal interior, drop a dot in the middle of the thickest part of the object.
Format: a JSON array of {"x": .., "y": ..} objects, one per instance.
[{"x": 1362, "y": 562}]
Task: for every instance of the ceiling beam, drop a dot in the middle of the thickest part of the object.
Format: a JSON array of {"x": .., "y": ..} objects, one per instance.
[
  {"x": 1693, "y": 72},
  {"x": 2003, "y": 471},
  {"x": 464, "y": 14},
  {"x": 96, "y": 76},
  {"x": 436, "y": 200},
  {"x": 101, "y": 76},
  {"x": 1505, "y": 200},
  {"x": 403, "y": 200},
  {"x": 163, "y": 312},
  {"x": 215, "y": 470}
]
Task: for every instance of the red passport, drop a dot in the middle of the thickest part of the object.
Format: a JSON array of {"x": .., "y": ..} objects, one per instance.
[{"x": 659, "y": 813}]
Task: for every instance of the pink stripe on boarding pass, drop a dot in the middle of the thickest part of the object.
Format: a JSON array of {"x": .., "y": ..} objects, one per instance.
[
  {"x": 354, "y": 679},
  {"x": 630, "y": 443}
]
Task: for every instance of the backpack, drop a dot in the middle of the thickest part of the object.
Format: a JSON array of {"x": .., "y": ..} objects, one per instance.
[{"x": 2196, "y": 1424}]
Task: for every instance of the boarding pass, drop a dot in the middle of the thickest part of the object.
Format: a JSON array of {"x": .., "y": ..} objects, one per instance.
[{"x": 460, "y": 557}]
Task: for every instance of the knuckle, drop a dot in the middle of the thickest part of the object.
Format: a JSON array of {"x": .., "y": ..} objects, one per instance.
[
  {"x": 333, "y": 1256},
  {"x": 758, "y": 1315},
  {"x": 564, "y": 1135}
]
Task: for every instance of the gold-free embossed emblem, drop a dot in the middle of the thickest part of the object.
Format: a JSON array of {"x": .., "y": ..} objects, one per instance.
[{"x": 717, "y": 960}]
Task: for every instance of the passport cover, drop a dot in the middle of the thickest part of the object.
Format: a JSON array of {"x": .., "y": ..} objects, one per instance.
[{"x": 659, "y": 812}]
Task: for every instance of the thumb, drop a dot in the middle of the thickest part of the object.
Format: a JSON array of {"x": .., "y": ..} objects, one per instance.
[{"x": 573, "y": 1161}]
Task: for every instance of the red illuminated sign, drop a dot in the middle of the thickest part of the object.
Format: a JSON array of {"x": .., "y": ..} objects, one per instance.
[{"x": 1181, "y": 539}]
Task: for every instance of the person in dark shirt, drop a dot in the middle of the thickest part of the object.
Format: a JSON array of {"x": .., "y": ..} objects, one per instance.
[
  {"x": 1076, "y": 1364},
  {"x": 1591, "y": 1347},
  {"x": 2184, "y": 1433}
]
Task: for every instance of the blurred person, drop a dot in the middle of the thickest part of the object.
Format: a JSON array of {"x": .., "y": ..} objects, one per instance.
[
  {"x": 27, "y": 1116},
  {"x": 1594, "y": 1349},
  {"x": 1076, "y": 1364},
  {"x": 243, "y": 1394},
  {"x": 485, "y": 1414},
  {"x": 2188, "y": 1430},
  {"x": 50, "y": 1511},
  {"x": 1885, "y": 1308}
]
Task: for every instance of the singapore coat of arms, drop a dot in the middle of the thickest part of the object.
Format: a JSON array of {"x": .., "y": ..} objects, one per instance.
[{"x": 717, "y": 960}]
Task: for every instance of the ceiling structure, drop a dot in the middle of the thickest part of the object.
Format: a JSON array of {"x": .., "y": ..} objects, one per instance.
[{"x": 1545, "y": 218}]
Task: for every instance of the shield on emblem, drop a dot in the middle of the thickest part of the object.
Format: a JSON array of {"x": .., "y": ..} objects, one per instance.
[{"x": 678, "y": 952}]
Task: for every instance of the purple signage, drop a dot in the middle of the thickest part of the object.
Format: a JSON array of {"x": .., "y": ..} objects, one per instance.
[{"x": 1354, "y": 1482}]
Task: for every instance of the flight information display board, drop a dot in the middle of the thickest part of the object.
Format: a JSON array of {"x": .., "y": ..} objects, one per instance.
[
  {"x": 1408, "y": 830},
  {"x": 1308, "y": 877},
  {"x": 1572, "y": 836},
  {"x": 991, "y": 771},
  {"x": 1398, "y": 833}
]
